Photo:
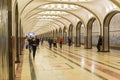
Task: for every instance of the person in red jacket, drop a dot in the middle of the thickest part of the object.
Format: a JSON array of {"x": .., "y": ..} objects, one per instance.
[{"x": 60, "y": 42}]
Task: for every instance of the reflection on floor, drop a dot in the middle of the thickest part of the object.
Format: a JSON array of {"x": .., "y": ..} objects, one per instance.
[{"x": 74, "y": 63}]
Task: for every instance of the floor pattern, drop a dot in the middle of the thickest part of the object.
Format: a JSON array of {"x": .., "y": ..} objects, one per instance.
[{"x": 71, "y": 63}]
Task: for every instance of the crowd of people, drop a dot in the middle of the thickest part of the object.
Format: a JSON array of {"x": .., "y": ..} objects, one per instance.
[
  {"x": 54, "y": 41},
  {"x": 33, "y": 42}
]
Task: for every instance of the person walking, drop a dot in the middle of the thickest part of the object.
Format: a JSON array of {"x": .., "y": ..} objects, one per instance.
[
  {"x": 55, "y": 43},
  {"x": 42, "y": 40},
  {"x": 99, "y": 44},
  {"x": 26, "y": 43},
  {"x": 60, "y": 42},
  {"x": 29, "y": 44},
  {"x": 69, "y": 41},
  {"x": 50, "y": 41},
  {"x": 38, "y": 41},
  {"x": 34, "y": 46}
]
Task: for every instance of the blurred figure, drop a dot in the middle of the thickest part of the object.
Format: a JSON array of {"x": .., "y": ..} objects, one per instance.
[
  {"x": 60, "y": 42},
  {"x": 50, "y": 41},
  {"x": 55, "y": 42},
  {"x": 38, "y": 41},
  {"x": 26, "y": 43},
  {"x": 29, "y": 44},
  {"x": 42, "y": 40},
  {"x": 99, "y": 44},
  {"x": 69, "y": 41},
  {"x": 34, "y": 46}
]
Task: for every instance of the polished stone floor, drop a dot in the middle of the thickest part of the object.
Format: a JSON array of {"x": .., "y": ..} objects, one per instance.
[{"x": 69, "y": 63}]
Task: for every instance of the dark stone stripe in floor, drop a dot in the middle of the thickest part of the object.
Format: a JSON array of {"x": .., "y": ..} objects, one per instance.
[
  {"x": 93, "y": 60},
  {"x": 114, "y": 64},
  {"x": 103, "y": 78},
  {"x": 69, "y": 65},
  {"x": 32, "y": 69},
  {"x": 107, "y": 71},
  {"x": 55, "y": 56}
]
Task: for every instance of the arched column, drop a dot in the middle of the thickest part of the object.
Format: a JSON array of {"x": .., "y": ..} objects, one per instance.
[
  {"x": 60, "y": 33},
  {"x": 65, "y": 35},
  {"x": 70, "y": 32},
  {"x": 106, "y": 23},
  {"x": 78, "y": 34},
  {"x": 89, "y": 33},
  {"x": 56, "y": 33},
  {"x": 16, "y": 40},
  {"x": 53, "y": 33}
]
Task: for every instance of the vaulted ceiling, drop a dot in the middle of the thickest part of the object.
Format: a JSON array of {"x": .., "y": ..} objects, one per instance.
[{"x": 41, "y": 16}]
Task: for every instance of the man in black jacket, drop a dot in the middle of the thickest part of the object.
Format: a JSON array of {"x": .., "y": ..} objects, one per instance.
[
  {"x": 34, "y": 46},
  {"x": 29, "y": 44},
  {"x": 99, "y": 43}
]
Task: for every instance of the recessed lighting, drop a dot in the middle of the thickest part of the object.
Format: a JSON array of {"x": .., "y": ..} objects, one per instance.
[
  {"x": 60, "y": 6},
  {"x": 47, "y": 17},
  {"x": 53, "y": 12}
]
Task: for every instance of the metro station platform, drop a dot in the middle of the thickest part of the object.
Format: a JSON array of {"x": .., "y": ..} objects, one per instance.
[{"x": 69, "y": 63}]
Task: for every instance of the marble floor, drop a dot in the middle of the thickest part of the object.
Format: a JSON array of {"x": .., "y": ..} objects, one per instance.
[{"x": 70, "y": 63}]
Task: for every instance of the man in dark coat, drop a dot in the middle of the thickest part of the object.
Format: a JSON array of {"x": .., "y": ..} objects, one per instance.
[
  {"x": 99, "y": 43},
  {"x": 34, "y": 46},
  {"x": 29, "y": 44}
]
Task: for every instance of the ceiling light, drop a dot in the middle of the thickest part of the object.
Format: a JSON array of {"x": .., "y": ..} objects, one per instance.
[
  {"x": 75, "y": 0},
  {"x": 60, "y": 6},
  {"x": 53, "y": 12},
  {"x": 48, "y": 17}
]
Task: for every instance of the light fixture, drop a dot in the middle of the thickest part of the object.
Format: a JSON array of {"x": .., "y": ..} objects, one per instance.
[
  {"x": 60, "y": 6},
  {"x": 53, "y": 12},
  {"x": 82, "y": 25},
  {"x": 75, "y": 0},
  {"x": 48, "y": 17}
]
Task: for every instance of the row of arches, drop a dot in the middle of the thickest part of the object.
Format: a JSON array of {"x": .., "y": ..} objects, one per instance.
[
  {"x": 105, "y": 32},
  {"x": 104, "y": 26}
]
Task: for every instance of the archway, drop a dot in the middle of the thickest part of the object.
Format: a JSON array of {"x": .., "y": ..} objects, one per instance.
[
  {"x": 70, "y": 32},
  {"x": 56, "y": 33},
  {"x": 60, "y": 33},
  {"x": 89, "y": 33},
  {"x": 65, "y": 35},
  {"x": 106, "y": 34},
  {"x": 114, "y": 30},
  {"x": 53, "y": 33},
  {"x": 78, "y": 34}
]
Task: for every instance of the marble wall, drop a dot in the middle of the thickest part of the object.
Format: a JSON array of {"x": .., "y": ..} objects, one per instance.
[
  {"x": 114, "y": 28},
  {"x": 115, "y": 39}
]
